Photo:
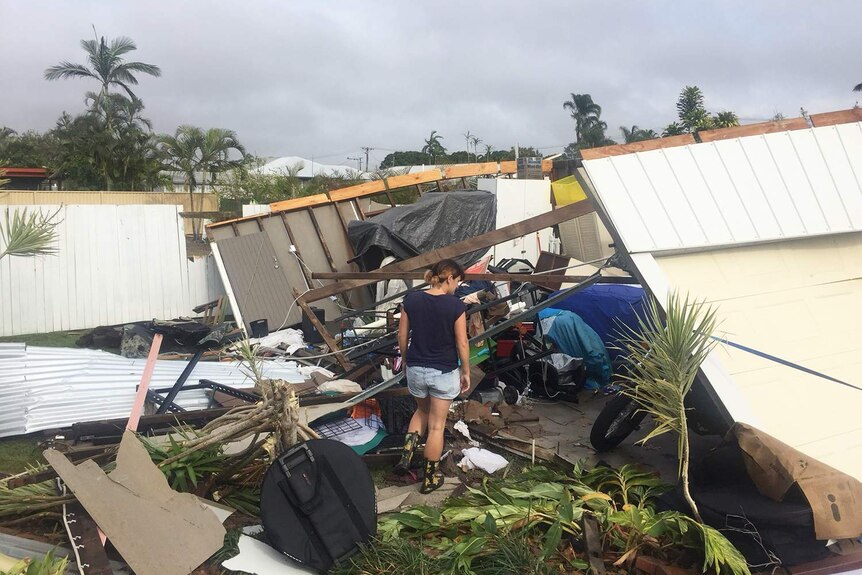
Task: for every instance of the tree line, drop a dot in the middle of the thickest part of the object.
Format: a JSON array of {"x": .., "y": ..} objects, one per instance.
[
  {"x": 435, "y": 153},
  {"x": 590, "y": 129},
  {"x": 111, "y": 145}
]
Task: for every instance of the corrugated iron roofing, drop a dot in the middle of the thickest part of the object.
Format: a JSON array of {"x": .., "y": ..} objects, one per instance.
[
  {"x": 44, "y": 388},
  {"x": 745, "y": 190}
]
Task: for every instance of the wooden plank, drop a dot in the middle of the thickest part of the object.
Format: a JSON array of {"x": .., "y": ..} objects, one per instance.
[
  {"x": 486, "y": 240},
  {"x": 467, "y": 170},
  {"x": 321, "y": 238},
  {"x": 84, "y": 535},
  {"x": 753, "y": 130},
  {"x": 358, "y": 209},
  {"x": 509, "y": 167},
  {"x": 357, "y": 191},
  {"x": 390, "y": 198},
  {"x": 344, "y": 227},
  {"x": 840, "y": 117},
  {"x": 327, "y": 338},
  {"x": 201, "y": 215},
  {"x": 295, "y": 245},
  {"x": 418, "y": 275},
  {"x": 646, "y": 145},
  {"x": 299, "y": 203},
  {"x": 417, "y": 178}
]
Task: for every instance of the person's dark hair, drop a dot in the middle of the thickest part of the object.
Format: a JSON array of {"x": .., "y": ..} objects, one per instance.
[{"x": 442, "y": 271}]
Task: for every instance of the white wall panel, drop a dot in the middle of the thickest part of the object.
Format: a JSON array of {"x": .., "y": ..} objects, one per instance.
[
  {"x": 796, "y": 300},
  {"x": 518, "y": 200},
  {"x": 745, "y": 190},
  {"x": 114, "y": 264}
]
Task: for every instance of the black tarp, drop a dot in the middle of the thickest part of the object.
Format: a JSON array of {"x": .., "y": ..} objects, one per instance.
[{"x": 438, "y": 219}]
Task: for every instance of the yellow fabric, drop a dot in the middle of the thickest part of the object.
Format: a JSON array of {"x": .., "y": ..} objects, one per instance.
[{"x": 567, "y": 191}]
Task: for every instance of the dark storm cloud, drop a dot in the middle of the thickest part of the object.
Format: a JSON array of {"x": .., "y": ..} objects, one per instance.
[{"x": 324, "y": 78}]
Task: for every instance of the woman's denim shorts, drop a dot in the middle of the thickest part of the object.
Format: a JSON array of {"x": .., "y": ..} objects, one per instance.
[{"x": 425, "y": 381}]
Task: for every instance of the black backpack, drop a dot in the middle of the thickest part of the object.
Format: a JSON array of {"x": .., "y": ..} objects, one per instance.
[{"x": 317, "y": 503}]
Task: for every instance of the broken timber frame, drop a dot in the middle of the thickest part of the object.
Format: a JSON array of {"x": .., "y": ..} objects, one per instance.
[
  {"x": 491, "y": 277},
  {"x": 482, "y": 241}
]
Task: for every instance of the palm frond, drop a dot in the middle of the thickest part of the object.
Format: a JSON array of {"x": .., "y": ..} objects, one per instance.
[
  {"x": 122, "y": 44},
  {"x": 28, "y": 233},
  {"x": 68, "y": 70}
]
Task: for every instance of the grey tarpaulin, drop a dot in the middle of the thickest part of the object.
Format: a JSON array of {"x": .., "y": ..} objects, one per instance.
[{"x": 438, "y": 219}]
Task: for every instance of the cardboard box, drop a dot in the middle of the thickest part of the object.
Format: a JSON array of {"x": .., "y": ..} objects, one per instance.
[{"x": 835, "y": 498}]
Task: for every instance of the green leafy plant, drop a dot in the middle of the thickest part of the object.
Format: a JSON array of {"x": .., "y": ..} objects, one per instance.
[
  {"x": 185, "y": 473},
  {"x": 664, "y": 354},
  {"x": 542, "y": 509},
  {"x": 47, "y": 565},
  {"x": 25, "y": 233}
]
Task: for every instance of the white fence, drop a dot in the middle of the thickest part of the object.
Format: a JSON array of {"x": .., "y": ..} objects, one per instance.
[{"x": 114, "y": 264}]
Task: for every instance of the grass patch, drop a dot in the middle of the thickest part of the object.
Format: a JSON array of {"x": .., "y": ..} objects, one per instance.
[
  {"x": 19, "y": 453},
  {"x": 53, "y": 339}
]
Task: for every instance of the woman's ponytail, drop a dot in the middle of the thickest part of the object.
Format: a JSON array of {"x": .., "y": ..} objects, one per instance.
[{"x": 442, "y": 271}]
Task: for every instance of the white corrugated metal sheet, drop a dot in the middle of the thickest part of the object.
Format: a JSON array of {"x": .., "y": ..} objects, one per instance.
[
  {"x": 45, "y": 388},
  {"x": 757, "y": 188},
  {"x": 114, "y": 264},
  {"x": 768, "y": 232}
]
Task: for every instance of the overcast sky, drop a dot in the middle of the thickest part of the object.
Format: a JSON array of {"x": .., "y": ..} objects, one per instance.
[{"x": 323, "y": 78}]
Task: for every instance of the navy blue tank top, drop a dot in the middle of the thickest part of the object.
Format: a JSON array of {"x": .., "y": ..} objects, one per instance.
[{"x": 432, "y": 328}]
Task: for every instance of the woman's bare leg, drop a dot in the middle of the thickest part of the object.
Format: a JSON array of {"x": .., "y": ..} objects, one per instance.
[
  {"x": 437, "y": 412},
  {"x": 419, "y": 421}
]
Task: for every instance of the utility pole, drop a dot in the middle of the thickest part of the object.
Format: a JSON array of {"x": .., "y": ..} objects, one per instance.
[
  {"x": 367, "y": 149},
  {"x": 358, "y": 162}
]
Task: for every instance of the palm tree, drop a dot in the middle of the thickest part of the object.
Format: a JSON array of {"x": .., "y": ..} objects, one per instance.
[
  {"x": 635, "y": 134},
  {"x": 107, "y": 65},
  {"x": 488, "y": 149},
  {"x": 433, "y": 147},
  {"x": 475, "y": 141},
  {"x": 584, "y": 112},
  {"x": 192, "y": 151},
  {"x": 725, "y": 120},
  {"x": 593, "y": 135},
  {"x": 467, "y": 137}
]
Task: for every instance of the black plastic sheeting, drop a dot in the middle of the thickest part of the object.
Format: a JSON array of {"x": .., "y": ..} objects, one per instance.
[{"x": 438, "y": 219}]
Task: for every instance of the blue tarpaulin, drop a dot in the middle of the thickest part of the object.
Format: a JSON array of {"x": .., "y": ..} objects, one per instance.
[
  {"x": 605, "y": 308},
  {"x": 574, "y": 337}
]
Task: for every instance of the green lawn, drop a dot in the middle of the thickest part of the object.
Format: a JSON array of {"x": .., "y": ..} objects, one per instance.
[
  {"x": 53, "y": 339},
  {"x": 17, "y": 453}
]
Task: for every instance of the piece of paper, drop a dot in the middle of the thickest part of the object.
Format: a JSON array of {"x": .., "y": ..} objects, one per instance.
[
  {"x": 157, "y": 530},
  {"x": 487, "y": 461},
  {"x": 462, "y": 428},
  {"x": 257, "y": 557},
  {"x": 835, "y": 498}
]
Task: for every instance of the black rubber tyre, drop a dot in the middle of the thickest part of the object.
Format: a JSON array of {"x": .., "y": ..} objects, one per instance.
[{"x": 619, "y": 417}]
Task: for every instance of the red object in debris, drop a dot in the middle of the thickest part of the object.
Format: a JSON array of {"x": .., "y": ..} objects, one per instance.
[{"x": 505, "y": 347}]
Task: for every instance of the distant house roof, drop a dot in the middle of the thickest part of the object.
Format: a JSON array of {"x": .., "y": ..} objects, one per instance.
[
  {"x": 40, "y": 173},
  {"x": 310, "y": 168}
]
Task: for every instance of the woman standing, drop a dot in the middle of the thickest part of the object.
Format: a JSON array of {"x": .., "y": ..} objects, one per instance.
[{"x": 434, "y": 323}]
